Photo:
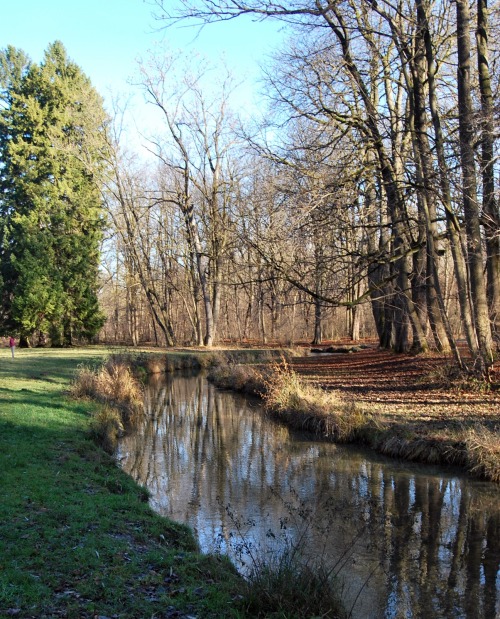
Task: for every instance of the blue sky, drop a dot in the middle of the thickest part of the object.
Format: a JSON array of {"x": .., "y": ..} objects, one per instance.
[{"x": 105, "y": 37}]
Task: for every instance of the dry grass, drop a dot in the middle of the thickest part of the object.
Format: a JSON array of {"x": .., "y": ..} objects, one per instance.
[
  {"x": 155, "y": 364},
  {"x": 306, "y": 407},
  {"x": 428, "y": 450},
  {"x": 106, "y": 427},
  {"x": 291, "y": 399},
  {"x": 242, "y": 378},
  {"x": 174, "y": 362},
  {"x": 114, "y": 385},
  {"x": 483, "y": 452}
]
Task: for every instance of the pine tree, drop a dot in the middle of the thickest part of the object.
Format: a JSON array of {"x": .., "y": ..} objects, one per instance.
[{"x": 52, "y": 148}]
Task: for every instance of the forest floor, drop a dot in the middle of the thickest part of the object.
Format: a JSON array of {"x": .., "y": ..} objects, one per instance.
[
  {"x": 405, "y": 388},
  {"x": 414, "y": 398}
]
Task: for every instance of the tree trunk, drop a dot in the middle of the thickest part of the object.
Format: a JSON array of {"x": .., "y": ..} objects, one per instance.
[
  {"x": 491, "y": 215},
  {"x": 469, "y": 189},
  {"x": 378, "y": 268},
  {"x": 440, "y": 326},
  {"x": 453, "y": 226},
  {"x": 318, "y": 328}
]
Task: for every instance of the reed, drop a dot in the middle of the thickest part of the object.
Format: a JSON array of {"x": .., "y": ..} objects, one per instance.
[
  {"x": 483, "y": 452},
  {"x": 309, "y": 408},
  {"x": 114, "y": 385},
  {"x": 242, "y": 378},
  {"x": 106, "y": 427}
]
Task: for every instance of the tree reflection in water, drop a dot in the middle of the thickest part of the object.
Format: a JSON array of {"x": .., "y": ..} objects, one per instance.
[{"x": 214, "y": 461}]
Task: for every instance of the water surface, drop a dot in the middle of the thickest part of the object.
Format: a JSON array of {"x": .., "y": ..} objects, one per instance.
[{"x": 407, "y": 541}]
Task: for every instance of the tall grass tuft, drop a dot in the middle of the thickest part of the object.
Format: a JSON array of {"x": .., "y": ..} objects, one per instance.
[
  {"x": 287, "y": 586},
  {"x": 308, "y": 408},
  {"x": 106, "y": 427},
  {"x": 483, "y": 452},
  {"x": 117, "y": 389}
]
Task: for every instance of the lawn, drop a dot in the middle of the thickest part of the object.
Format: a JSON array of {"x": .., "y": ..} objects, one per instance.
[{"x": 77, "y": 537}]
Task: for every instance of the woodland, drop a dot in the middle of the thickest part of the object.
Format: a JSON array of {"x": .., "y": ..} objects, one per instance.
[{"x": 363, "y": 202}]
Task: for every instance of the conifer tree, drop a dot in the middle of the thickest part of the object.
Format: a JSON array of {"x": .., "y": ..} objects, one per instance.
[{"x": 52, "y": 125}]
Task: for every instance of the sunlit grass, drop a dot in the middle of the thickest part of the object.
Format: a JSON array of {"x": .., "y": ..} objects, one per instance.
[
  {"x": 483, "y": 452},
  {"x": 77, "y": 538}
]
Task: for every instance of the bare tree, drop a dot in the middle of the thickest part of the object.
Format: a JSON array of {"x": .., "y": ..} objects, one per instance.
[
  {"x": 491, "y": 214},
  {"x": 146, "y": 242},
  {"x": 469, "y": 188},
  {"x": 408, "y": 45},
  {"x": 196, "y": 156}
]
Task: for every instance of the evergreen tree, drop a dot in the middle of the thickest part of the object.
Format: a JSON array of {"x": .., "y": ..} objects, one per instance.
[{"x": 52, "y": 149}]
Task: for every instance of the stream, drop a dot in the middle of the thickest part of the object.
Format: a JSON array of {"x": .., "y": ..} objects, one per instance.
[{"x": 405, "y": 541}]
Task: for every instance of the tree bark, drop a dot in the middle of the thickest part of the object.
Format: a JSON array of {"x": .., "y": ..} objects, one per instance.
[
  {"x": 491, "y": 215},
  {"x": 469, "y": 188},
  {"x": 453, "y": 225}
]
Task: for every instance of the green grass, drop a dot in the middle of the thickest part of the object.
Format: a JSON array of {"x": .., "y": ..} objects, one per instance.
[{"x": 77, "y": 538}]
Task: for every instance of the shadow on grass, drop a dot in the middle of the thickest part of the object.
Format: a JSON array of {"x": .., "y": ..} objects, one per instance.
[{"x": 51, "y": 365}]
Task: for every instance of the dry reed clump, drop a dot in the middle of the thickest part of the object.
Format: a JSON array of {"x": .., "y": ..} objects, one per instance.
[
  {"x": 114, "y": 385},
  {"x": 242, "y": 378},
  {"x": 309, "y": 408},
  {"x": 233, "y": 357},
  {"x": 206, "y": 360},
  {"x": 172, "y": 364},
  {"x": 427, "y": 450},
  {"x": 106, "y": 427},
  {"x": 155, "y": 364},
  {"x": 187, "y": 361},
  {"x": 483, "y": 452},
  {"x": 142, "y": 364},
  {"x": 84, "y": 384}
]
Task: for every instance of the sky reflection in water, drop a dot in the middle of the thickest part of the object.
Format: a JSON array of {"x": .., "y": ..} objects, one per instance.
[{"x": 415, "y": 541}]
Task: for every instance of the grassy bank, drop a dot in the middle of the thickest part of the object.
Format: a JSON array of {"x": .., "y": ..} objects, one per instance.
[
  {"x": 152, "y": 361},
  {"x": 301, "y": 405},
  {"x": 77, "y": 538}
]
